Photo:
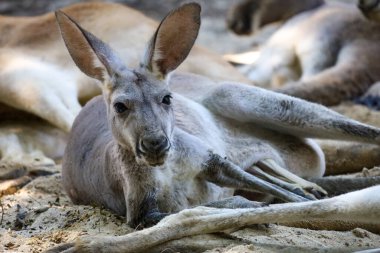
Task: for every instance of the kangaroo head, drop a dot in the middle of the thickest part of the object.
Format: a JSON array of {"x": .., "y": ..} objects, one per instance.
[
  {"x": 138, "y": 100},
  {"x": 250, "y": 15}
]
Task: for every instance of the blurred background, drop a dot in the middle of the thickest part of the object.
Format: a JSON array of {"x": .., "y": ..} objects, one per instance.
[
  {"x": 213, "y": 17},
  {"x": 213, "y": 35}
]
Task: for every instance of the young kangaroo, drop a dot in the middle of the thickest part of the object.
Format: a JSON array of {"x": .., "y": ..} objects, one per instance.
[
  {"x": 142, "y": 150},
  {"x": 326, "y": 54}
]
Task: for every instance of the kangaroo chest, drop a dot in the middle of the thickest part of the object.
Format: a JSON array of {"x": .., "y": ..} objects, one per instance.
[{"x": 176, "y": 192}]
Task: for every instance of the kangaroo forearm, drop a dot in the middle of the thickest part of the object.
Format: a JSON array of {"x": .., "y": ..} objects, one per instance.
[
  {"x": 141, "y": 199},
  {"x": 142, "y": 213}
]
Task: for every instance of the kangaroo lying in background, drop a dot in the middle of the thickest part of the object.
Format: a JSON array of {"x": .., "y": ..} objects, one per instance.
[
  {"x": 249, "y": 16},
  {"x": 37, "y": 75},
  {"x": 144, "y": 151},
  {"x": 325, "y": 53},
  {"x": 370, "y": 8}
]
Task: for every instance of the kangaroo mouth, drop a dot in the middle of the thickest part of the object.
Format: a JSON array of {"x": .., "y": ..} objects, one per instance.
[{"x": 154, "y": 158}]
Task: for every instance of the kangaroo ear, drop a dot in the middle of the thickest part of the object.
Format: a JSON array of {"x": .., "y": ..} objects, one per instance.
[
  {"x": 173, "y": 40},
  {"x": 94, "y": 58}
]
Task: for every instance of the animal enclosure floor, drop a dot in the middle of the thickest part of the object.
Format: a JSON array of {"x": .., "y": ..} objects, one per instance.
[{"x": 40, "y": 216}]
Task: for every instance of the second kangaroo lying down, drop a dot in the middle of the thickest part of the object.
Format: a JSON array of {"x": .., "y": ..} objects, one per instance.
[
  {"x": 326, "y": 54},
  {"x": 144, "y": 151},
  {"x": 370, "y": 8}
]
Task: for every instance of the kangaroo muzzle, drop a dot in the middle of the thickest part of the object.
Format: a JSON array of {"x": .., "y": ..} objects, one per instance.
[{"x": 154, "y": 149}]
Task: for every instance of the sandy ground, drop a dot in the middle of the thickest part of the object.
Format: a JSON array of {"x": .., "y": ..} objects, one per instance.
[{"x": 40, "y": 215}]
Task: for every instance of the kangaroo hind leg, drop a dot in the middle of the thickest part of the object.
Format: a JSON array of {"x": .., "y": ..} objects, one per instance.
[
  {"x": 234, "y": 202},
  {"x": 285, "y": 114},
  {"x": 271, "y": 170}
]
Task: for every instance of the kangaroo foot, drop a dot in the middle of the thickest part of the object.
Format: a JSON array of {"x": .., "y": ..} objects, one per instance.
[
  {"x": 269, "y": 170},
  {"x": 225, "y": 173}
]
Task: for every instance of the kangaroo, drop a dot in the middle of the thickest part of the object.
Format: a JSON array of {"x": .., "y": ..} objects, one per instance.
[
  {"x": 37, "y": 75},
  {"x": 326, "y": 54},
  {"x": 144, "y": 151},
  {"x": 370, "y": 8},
  {"x": 250, "y": 15}
]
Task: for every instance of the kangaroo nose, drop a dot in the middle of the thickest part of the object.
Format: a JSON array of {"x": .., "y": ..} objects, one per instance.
[{"x": 155, "y": 144}]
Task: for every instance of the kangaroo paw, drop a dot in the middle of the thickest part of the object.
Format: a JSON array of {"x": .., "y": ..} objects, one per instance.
[{"x": 275, "y": 173}]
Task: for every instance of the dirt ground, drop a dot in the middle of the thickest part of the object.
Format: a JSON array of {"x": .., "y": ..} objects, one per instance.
[{"x": 40, "y": 215}]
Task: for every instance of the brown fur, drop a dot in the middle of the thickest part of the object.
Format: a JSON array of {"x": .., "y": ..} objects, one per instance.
[
  {"x": 56, "y": 83},
  {"x": 370, "y": 8},
  {"x": 40, "y": 33},
  {"x": 325, "y": 55},
  {"x": 249, "y": 15}
]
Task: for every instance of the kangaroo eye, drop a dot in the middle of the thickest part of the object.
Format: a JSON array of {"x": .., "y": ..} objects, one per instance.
[
  {"x": 120, "y": 107},
  {"x": 167, "y": 100}
]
